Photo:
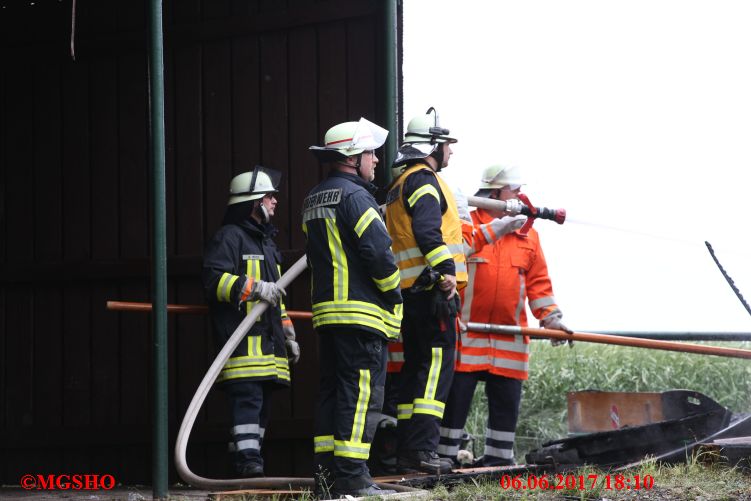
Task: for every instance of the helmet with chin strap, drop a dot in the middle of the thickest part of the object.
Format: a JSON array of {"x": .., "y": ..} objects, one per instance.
[
  {"x": 423, "y": 138},
  {"x": 349, "y": 139},
  {"x": 253, "y": 185},
  {"x": 427, "y": 129}
]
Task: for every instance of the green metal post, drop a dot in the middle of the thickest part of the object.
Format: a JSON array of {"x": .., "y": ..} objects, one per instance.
[
  {"x": 159, "y": 251},
  {"x": 391, "y": 86}
]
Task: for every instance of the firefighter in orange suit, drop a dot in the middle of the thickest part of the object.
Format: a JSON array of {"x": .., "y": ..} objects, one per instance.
[
  {"x": 502, "y": 277},
  {"x": 422, "y": 219}
]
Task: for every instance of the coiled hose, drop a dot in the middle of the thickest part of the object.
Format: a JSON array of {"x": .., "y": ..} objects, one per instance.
[{"x": 191, "y": 413}]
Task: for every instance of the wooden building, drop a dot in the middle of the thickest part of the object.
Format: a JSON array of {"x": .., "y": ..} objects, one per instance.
[{"x": 247, "y": 82}]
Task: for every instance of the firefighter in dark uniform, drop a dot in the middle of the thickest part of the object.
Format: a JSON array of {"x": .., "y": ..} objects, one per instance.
[
  {"x": 356, "y": 303},
  {"x": 423, "y": 221},
  {"x": 240, "y": 267}
]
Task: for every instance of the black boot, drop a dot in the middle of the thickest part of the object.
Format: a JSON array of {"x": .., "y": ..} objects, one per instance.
[
  {"x": 356, "y": 488},
  {"x": 423, "y": 461},
  {"x": 250, "y": 470}
]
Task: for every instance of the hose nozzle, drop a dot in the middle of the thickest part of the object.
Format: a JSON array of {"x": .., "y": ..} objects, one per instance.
[{"x": 557, "y": 215}]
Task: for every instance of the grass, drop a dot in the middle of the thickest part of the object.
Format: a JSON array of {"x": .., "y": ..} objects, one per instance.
[
  {"x": 691, "y": 481},
  {"x": 694, "y": 480},
  {"x": 556, "y": 371}
]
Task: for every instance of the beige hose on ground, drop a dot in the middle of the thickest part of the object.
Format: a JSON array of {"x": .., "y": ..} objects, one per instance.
[
  {"x": 186, "y": 426},
  {"x": 191, "y": 413}
]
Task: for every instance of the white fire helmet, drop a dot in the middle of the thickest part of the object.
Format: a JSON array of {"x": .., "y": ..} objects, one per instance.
[
  {"x": 350, "y": 138},
  {"x": 254, "y": 184},
  {"x": 427, "y": 129},
  {"x": 422, "y": 139},
  {"x": 498, "y": 176}
]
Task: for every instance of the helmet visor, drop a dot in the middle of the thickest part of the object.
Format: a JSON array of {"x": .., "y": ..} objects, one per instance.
[
  {"x": 414, "y": 151},
  {"x": 368, "y": 136},
  {"x": 264, "y": 180}
]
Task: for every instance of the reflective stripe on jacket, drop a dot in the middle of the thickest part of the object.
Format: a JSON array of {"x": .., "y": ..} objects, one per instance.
[
  {"x": 412, "y": 254},
  {"x": 502, "y": 277},
  {"x": 355, "y": 281}
]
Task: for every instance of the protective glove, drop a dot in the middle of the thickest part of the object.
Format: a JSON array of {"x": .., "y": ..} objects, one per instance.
[
  {"x": 498, "y": 227},
  {"x": 513, "y": 207},
  {"x": 443, "y": 307},
  {"x": 293, "y": 349},
  {"x": 554, "y": 322},
  {"x": 462, "y": 205},
  {"x": 266, "y": 291}
]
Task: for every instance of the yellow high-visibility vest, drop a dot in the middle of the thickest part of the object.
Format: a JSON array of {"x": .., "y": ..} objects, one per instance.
[{"x": 409, "y": 257}]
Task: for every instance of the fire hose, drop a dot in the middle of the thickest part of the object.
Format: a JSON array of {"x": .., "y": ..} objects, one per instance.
[
  {"x": 557, "y": 215},
  {"x": 608, "y": 339},
  {"x": 527, "y": 209},
  {"x": 199, "y": 397}
]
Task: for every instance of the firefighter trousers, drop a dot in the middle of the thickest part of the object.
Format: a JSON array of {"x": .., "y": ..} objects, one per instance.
[
  {"x": 250, "y": 402},
  {"x": 504, "y": 397},
  {"x": 429, "y": 352},
  {"x": 352, "y": 377},
  {"x": 391, "y": 397}
]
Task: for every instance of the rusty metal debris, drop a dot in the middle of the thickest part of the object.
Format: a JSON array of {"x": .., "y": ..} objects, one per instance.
[{"x": 618, "y": 431}]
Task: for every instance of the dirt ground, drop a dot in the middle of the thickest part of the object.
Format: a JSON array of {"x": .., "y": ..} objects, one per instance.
[{"x": 136, "y": 493}]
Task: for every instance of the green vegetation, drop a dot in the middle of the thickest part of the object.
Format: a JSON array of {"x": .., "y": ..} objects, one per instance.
[
  {"x": 556, "y": 371},
  {"x": 699, "y": 480},
  {"x": 589, "y": 366},
  {"x": 692, "y": 481}
]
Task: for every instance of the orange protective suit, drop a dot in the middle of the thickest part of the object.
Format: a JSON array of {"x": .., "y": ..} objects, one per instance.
[{"x": 502, "y": 276}]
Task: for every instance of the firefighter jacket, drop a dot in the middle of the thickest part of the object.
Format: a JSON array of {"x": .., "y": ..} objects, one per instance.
[
  {"x": 423, "y": 221},
  {"x": 502, "y": 276},
  {"x": 475, "y": 238},
  {"x": 238, "y": 255},
  {"x": 355, "y": 281}
]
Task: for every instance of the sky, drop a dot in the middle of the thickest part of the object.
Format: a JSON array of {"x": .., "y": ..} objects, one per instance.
[{"x": 634, "y": 116}]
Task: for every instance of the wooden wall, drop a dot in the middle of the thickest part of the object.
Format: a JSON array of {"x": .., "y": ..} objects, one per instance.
[{"x": 246, "y": 82}]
